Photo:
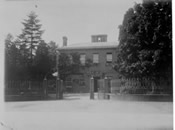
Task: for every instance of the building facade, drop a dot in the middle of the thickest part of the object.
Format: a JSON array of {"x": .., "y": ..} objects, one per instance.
[{"x": 101, "y": 53}]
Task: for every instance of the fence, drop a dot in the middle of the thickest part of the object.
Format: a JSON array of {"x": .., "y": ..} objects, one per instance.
[
  {"x": 30, "y": 89},
  {"x": 141, "y": 86},
  {"x": 51, "y": 86},
  {"x": 33, "y": 89}
]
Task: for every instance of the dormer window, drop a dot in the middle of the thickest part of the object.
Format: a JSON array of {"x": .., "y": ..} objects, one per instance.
[{"x": 99, "y": 39}]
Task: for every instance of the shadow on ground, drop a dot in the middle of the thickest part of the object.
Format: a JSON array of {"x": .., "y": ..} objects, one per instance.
[
  {"x": 80, "y": 96},
  {"x": 50, "y": 97}
]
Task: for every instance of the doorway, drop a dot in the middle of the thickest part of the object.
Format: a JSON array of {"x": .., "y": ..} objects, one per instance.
[{"x": 96, "y": 84}]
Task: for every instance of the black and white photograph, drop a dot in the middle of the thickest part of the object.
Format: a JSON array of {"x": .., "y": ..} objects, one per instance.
[{"x": 86, "y": 65}]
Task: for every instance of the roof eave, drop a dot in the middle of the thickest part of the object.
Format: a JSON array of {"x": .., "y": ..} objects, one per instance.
[{"x": 77, "y": 48}]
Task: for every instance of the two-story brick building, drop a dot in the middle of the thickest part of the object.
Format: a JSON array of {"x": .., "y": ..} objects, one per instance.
[{"x": 102, "y": 55}]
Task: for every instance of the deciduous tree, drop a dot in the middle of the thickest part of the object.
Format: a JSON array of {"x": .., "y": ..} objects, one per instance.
[{"x": 145, "y": 48}]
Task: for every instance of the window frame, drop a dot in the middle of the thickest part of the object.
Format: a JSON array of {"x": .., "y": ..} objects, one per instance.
[
  {"x": 109, "y": 60},
  {"x": 96, "y": 61},
  {"x": 84, "y": 58}
]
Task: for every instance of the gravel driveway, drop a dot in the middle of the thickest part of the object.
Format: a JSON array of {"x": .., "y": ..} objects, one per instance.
[{"x": 77, "y": 112}]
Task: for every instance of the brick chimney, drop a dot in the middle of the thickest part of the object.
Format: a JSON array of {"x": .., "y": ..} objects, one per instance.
[{"x": 64, "y": 41}]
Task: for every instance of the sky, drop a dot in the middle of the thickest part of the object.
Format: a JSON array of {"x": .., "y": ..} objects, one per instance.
[{"x": 75, "y": 19}]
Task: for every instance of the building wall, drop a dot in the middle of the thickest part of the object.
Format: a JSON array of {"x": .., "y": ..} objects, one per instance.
[{"x": 99, "y": 70}]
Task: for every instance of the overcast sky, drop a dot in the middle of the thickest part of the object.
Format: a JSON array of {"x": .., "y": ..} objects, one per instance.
[{"x": 76, "y": 19}]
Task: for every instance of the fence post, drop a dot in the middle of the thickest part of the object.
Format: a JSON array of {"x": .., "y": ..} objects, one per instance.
[{"x": 92, "y": 88}]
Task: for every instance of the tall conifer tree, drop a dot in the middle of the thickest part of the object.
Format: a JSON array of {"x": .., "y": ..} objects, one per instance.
[{"x": 31, "y": 36}]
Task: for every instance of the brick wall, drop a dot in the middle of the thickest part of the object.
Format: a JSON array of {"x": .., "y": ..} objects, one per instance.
[{"x": 100, "y": 69}]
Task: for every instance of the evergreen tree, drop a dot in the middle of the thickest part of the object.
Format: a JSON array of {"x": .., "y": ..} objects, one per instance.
[
  {"x": 31, "y": 36},
  {"x": 30, "y": 58}
]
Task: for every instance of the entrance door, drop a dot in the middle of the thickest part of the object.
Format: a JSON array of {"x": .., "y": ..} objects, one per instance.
[{"x": 96, "y": 84}]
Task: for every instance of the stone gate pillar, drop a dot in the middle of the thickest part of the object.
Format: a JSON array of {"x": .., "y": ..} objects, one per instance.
[
  {"x": 57, "y": 86},
  {"x": 92, "y": 88},
  {"x": 45, "y": 93},
  {"x": 60, "y": 89},
  {"x": 106, "y": 88}
]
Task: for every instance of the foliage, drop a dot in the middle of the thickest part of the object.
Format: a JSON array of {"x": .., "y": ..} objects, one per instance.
[
  {"x": 31, "y": 36},
  {"x": 68, "y": 64},
  {"x": 26, "y": 57},
  {"x": 29, "y": 57},
  {"x": 88, "y": 63},
  {"x": 42, "y": 60},
  {"x": 52, "y": 53},
  {"x": 12, "y": 57},
  {"x": 145, "y": 48}
]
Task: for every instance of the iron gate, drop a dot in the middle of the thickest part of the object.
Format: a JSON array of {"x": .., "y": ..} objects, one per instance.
[{"x": 103, "y": 88}]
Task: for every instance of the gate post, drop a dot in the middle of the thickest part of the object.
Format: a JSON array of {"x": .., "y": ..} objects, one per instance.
[
  {"x": 45, "y": 87},
  {"x": 106, "y": 88},
  {"x": 57, "y": 86},
  {"x": 92, "y": 88},
  {"x": 60, "y": 91}
]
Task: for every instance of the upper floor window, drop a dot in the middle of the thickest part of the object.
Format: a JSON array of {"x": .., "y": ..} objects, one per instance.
[
  {"x": 71, "y": 58},
  {"x": 95, "y": 58},
  {"x": 109, "y": 57},
  {"x": 82, "y": 59}
]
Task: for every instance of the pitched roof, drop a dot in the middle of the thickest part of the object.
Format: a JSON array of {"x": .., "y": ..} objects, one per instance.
[{"x": 91, "y": 45}]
